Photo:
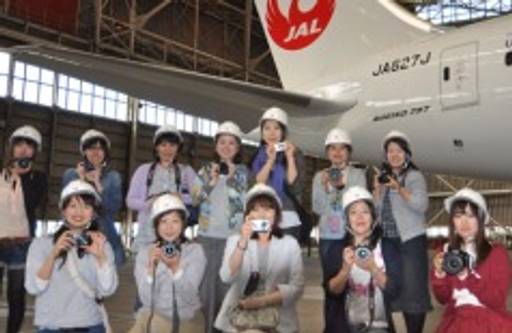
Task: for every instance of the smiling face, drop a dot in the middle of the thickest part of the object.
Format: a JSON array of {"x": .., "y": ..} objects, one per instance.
[
  {"x": 166, "y": 151},
  {"x": 338, "y": 154},
  {"x": 360, "y": 218},
  {"x": 272, "y": 132},
  {"x": 227, "y": 146},
  {"x": 465, "y": 221},
  {"x": 78, "y": 212},
  {"x": 170, "y": 226},
  {"x": 395, "y": 155}
]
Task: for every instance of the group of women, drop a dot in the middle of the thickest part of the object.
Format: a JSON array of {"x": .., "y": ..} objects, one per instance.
[{"x": 244, "y": 271}]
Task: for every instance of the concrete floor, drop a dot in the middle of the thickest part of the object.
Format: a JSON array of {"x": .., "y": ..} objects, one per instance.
[{"x": 310, "y": 307}]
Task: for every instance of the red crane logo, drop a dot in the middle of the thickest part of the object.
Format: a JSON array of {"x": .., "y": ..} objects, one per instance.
[{"x": 300, "y": 29}]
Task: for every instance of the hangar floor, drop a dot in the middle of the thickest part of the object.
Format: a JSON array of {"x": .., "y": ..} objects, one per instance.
[{"x": 310, "y": 307}]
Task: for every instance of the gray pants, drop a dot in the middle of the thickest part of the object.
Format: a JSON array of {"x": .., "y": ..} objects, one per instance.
[{"x": 212, "y": 290}]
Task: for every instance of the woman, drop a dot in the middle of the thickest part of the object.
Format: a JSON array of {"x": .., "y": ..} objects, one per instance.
[
  {"x": 224, "y": 186},
  {"x": 20, "y": 180},
  {"x": 370, "y": 273},
  {"x": 329, "y": 185},
  {"x": 163, "y": 175},
  {"x": 401, "y": 195},
  {"x": 280, "y": 165},
  {"x": 168, "y": 273},
  {"x": 69, "y": 272},
  {"x": 264, "y": 268},
  {"x": 95, "y": 169},
  {"x": 474, "y": 293}
]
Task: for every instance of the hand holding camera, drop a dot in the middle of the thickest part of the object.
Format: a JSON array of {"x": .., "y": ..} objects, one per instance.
[
  {"x": 170, "y": 255},
  {"x": 456, "y": 262}
]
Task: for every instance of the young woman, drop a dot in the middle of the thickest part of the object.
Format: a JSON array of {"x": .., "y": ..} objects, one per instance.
[
  {"x": 168, "y": 273},
  {"x": 279, "y": 164},
  {"x": 69, "y": 272},
  {"x": 95, "y": 169},
  {"x": 263, "y": 266},
  {"x": 475, "y": 293},
  {"x": 329, "y": 185},
  {"x": 370, "y": 274},
  {"x": 224, "y": 186},
  {"x": 163, "y": 175},
  {"x": 401, "y": 195},
  {"x": 20, "y": 178}
]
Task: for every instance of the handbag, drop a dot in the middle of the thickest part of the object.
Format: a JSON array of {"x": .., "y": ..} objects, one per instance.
[
  {"x": 13, "y": 217},
  {"x": 265, "y": 319}
]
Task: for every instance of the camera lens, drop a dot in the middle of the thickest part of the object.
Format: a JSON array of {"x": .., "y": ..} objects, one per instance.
[
  {"x": 363, "y": 252},
  {"x": 23, "y": 163},
  {"x": 223, "y": 168}
]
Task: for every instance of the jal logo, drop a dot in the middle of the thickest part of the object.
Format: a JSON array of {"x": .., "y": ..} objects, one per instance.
[{"x": 299, "y": 29}]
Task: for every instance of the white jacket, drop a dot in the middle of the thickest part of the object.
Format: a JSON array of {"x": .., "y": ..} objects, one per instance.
[{"x": 284, "y": 271}]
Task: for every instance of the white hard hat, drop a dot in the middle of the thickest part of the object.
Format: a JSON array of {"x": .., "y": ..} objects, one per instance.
[
  {"x": 262, "y": 189},
  {"x": 277, "y": 114},
  {"x": 355, "y": 193},
  {"x": 230, "y": 128},
  {"x": 27, "y": 132},
  {"x": 337, "y": 135},
  {"x": 167, "y": 129},
  {"x": 394, "y": 134},
  {"x": 166, "y": 203},
  {"x": 467, "y": 194},
  {"x": 77, "y": 187},
  {"x": 91, "y": 135}
]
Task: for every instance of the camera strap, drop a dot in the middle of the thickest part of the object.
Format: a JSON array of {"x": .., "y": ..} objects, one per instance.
[
  {"x": 371, "y": 302},
  {"x": 71, "y": 265}
]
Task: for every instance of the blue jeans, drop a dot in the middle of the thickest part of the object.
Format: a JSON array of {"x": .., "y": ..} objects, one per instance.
[
  {"x": 109, "y": 230},
  {"x": 91, "y": 329}
]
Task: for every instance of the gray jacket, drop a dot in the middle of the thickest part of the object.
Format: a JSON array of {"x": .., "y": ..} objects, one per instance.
[
  {"x": 409, "y": 216},
  {"x": 328, "y": 204}
]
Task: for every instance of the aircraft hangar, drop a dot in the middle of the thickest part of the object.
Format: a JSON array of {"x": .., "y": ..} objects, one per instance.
[{"x": 222, "y": 38}]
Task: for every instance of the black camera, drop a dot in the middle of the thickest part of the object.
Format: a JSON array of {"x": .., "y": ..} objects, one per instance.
[
  {"x": 24, "y": 162},
  {"x": 362, "y": 252},
  {"x": 385, "y": 174},
  {"x": 88, "y": 166},
  {"x": 455, "y": 260},
  {"x": 335, "y": 175},
  {"x": 170, "y": 249},
  {"x": 223, "y": 168}
]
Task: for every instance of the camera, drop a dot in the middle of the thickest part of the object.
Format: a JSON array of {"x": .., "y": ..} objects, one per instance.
[
  {"x": 82, "y": 239},
  {"x": 335, "y": 175},
  {"x": 455, "y": 260},
  {"x": 24, "y": 162},
  {"x": 362, "y": 252},
  {"x": 260, "y": 225},
  {"x": 88, "y": 166},
  {"x": 170, "y": 249},
  {"x": 280, "y": 147},
  {"x": 223, "y": 168},
  {"x": 385, "y": 174}
]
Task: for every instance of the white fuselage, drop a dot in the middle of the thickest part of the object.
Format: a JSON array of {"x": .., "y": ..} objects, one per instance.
[{"x": 452, "y": 95}]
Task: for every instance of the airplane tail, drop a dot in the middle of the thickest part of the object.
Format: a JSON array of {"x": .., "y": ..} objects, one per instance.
[{"x": 310, "y": 39}]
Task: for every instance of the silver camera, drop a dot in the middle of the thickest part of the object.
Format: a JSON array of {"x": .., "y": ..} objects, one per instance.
[
  {"x": 280, "y": 147},
  {"x": 171, "y": 249},
  {"x": 261, "y": 225},
  {"x": 362, "y": 252}
]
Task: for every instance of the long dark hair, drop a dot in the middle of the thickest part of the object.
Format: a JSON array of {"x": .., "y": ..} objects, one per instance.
[
  {"x": 266, "y": 201},
  {"x": 483, "y": 246},
  {"x": 237, "y": 159},
  {"x": 404, "y": 145},
  {"x": 88, "y": 200},
  {"x": 183, "y": 217}
]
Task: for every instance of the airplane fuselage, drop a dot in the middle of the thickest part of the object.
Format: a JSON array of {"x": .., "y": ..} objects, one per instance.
[{"x": 451, "y": 94}]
